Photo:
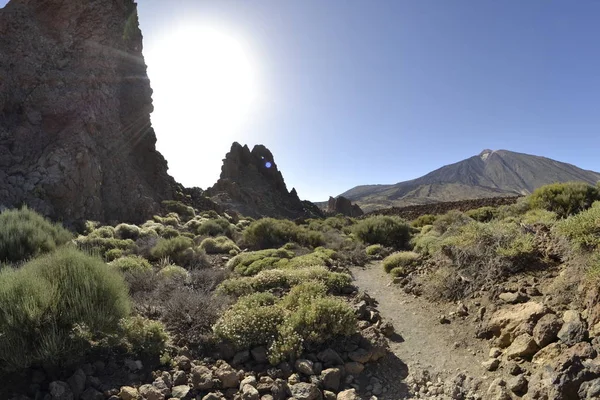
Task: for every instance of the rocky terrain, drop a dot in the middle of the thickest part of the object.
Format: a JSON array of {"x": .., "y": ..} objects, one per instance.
[
  {"x": 169, "y": 292},
  {"x": 497, "y": 173},
  {"x": 415, "y": 211},
  {"x": 251, "y": 184},
  {"x": 75, "y": 101}
]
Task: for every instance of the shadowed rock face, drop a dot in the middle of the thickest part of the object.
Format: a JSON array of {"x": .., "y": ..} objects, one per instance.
[
  {"x": 342, "y": 205},
  {"x": 75, "y": 135},
  {"x": 251, "y": 184}
]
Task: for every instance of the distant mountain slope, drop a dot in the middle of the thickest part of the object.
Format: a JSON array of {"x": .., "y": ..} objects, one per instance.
[{"x": 490, "y": 174}]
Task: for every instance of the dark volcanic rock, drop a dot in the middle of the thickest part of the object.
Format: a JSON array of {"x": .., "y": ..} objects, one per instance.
[
  {"x": 75, "y": 101},
  {"x": 342, "y": 205},
  {"x": 251, "y": 184}
]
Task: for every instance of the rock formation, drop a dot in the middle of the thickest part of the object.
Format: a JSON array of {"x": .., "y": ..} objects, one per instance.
[
  {"x": 251, "y": 184},
  {"x": 75, "y": 101},
  {"x": 342, "y": 205}
]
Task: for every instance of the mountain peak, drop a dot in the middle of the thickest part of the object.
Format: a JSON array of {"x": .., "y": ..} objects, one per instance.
[{"x": 485, "y": 154}]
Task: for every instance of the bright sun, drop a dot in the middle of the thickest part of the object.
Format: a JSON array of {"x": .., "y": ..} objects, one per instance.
[{"x": 205, "y": 90}]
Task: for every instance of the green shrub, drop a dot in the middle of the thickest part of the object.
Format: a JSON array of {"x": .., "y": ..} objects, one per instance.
[
  {"x": 215, "y": 227},
  {"x": 422, "y": 220},
  {"x": 143, "y": 337},
  {"x": 384, "y": 230},
  {"x": 43, "y": 301},
  {"x": 539, "y": 216},
  {"x": 398, "y": 272},
  {"x": 219, "y": 245},
  {"x": 25, "y": 234},
  {"x": 404, "y": 259},
  {"x": 499, "y": 238},
  {"x": 483, "y": 214},
  {"x": 285, "y": 279},
  {"x": 583, "y": 229},
  {"x": 451, "y": 220},
  {"x": 180, "y": 250},
  {"x": 427, "y": 242},
  {"x": 252, "y": 321},
  {"x": 270, "y": 233},
  {"x": 375, "y": 250},
  {"x": 253, "y": 262},
  {"x": 171, "y": 219},
  {"x": 320, "y": 257},
  {"x": 113, "y": 254},
  {"x": 126, "y": 231},
  {"x": 305, "y": 315},
  {"x": 315, "y": 320},
  {"x": 173, "y": 272},
  {"x": 148, "y": 233},
  {"x": 131, "y": 264},
  {"x": 211, "y": 214},
  {"x": 565, "y": 198},
  {"x": 105, "y": 232},
  {"x": 185, "y": 212},
  {"x": 169, "y": 232},
  {"x": 101, "y": 246}
]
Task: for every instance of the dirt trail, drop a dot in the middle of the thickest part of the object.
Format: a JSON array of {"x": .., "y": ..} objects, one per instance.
[{"x": 425, "y": 344}]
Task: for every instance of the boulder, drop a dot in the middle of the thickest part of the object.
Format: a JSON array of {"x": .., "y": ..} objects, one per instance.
[
  {"x": 518, "y": 384},
  {"x": 498, "y": 390},
  {"x": 513, "y": 298},
  {"x": 353, "y": 368},
  {"x": 304, "y": 367},
  {"x": 128, "y": 393},
  {"x": 331, "y": 379},
  {"x": 202, "y": 377},
  {"x": 590, "y": 390},
  {"x": 330, "y": 357},
  {"x": 509, "y": 322},
  {"x": 548, "y": 353},
  {"x": 180, "y": 378},
  {"x": 305, "y": 391},
  {"x": 77, "y": 382},
  {"x": 150, "y": 392},
  {"x": 249, "y": 392},
  {"x": 227, "y": 375},
  {"x": 573, "y": 329},
  {"x": 349, "y": 394},
  {"x": 522, "y": 347},
  {"x": 546, "y": 329},
  {"x": 180, "y": 391},
  {"x": 491, "y": 365},
  {"x": 61, "y": 391}
]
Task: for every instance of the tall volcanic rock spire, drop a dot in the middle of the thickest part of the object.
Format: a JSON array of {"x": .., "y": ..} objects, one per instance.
[
  {"x": 250, "y": 183},
  {"x": 75, "y": 101}
]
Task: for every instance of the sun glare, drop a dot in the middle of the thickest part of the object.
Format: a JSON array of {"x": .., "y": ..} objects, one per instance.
[{"x": 205, "y": 91}]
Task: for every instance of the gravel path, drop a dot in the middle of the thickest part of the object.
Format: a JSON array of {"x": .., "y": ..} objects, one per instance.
[{"x": 423, "y": 343}]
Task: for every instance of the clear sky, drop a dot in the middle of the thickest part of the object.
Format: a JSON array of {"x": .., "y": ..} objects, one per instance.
[{"x": 350, "y": 92}]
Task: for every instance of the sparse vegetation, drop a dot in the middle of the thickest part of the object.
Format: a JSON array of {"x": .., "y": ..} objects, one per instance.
[
  {"x": 402, "y": 262},
  {"x": 583, "y": 229},
  {"x": 43, "y": 301},
  {"x": 271, "y": 233},
  {"x": 219, "y": 245},
  {"x": 387, "y": 231},
  {"x": 25, "y": 234},
  {"x": 565, "y": 198}
]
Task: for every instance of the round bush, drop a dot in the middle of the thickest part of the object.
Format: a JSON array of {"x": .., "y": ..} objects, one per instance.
[
  {"x": 219, "y": 245},
  {"x": 565, "y": 198},
  {"x": 25, "y": 234},
  {"x": 43, "y": 301},
  {"x": 131, "y": 264},
  {"x": 384, "y": 230},
  {"x": 126, "y": 231},
  {"x": 403, "y": 259}
]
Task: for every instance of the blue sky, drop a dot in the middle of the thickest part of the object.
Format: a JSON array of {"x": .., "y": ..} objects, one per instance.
[{"x": 362, "y": 92}]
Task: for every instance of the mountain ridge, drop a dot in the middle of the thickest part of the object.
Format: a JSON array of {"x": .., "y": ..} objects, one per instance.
[{"x": 492, "y": 173}]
